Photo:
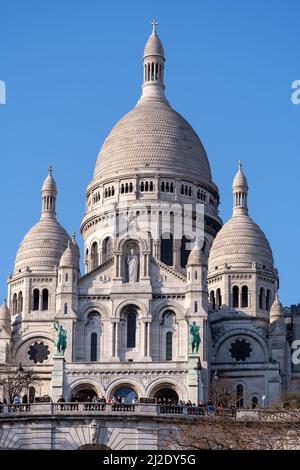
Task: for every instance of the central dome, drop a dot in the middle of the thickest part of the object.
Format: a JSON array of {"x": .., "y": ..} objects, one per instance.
[{"x": 153, "y": 135}]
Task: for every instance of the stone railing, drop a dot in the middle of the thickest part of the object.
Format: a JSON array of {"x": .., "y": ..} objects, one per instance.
[
  {"x": 95, "y": 408},
  {"x": 140, "y": 409}
]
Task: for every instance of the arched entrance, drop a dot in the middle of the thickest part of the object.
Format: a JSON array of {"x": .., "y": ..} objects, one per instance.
[
  {"x": 166, "y": 394},
  {"x": 83, "y": 393},
  {"x": 125, "y": 394}
]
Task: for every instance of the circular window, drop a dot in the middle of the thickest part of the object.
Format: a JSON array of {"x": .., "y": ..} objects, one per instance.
[
  {"x": 240, "y": 350},
  {"x": 38, "y": 352}
]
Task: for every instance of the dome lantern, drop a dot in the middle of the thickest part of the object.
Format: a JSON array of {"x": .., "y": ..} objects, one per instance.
[
  {"x": 49, "y": 193},
  {"x": 153, "y": 67},
  {"x": 240, "y": 192}
]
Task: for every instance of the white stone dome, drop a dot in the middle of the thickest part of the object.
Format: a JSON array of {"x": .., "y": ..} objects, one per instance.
[
  {"x": 42, "y": 247},
  {"x": 153, "y": 135},
  {"x": 240, "y": 241},
  {"x": 70, "y": 256},
  {"x": 154, "y": 46},
  {"x": 4, "y": 312}
]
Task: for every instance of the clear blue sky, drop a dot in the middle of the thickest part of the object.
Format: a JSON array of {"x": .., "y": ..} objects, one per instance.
[{"x": 72, "y": 68}]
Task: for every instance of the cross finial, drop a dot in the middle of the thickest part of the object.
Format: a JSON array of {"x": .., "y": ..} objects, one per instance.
[
  {"x": 240, "y": 164},
  {"x": 154, "y": 24},
  {"x": 50, "y": 169}
]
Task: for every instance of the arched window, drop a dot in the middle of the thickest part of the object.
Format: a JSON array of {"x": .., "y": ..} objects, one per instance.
[
  {"x": 166, "y": 249},
  {"x": 15, "y": 304},
  {"x": 20, "y": 302},
  {"x": 45, "y": 299},
  {"x": 94, "y": 340},
  {"x": 31, "y": 394},
  {"x": 151, "y": 186},
  {"x": 254, "y": 402},
  {"x": 65, "y": 309},
  {"x": 171, "y": 188},
  {"x": 162, "y": 188},
  {"x": 131, "y": 329},
  {"x": 235, "y": 296},
  {"x": 36, "y": 299},
  {"x": 184, "y": 251},
  {"x": 142, "y": 186},
  {"x": 268, "y": 300},
  {"x": 218, "y": 299},
  {"x": 66, "y": 277},
  {"x": 169, "y": 346},
  {"x": 130, "y": 187},
  {"x": 244, "y": 296},
  {"x": 239, "y": 396},
  {"x": 212, "y": 299},
  {"x": 196, "y": 307},
  {"x": 107, "y": 249},
  {"x": 94, "y": 255},
  {"x": 262, "y": 298},
  {"x": 146, "y": 186}
]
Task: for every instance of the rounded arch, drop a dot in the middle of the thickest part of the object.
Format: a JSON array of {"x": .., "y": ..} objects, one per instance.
[
  {"x": 178, "y": 387},
  {"x": 36, "y": 335},
  {"x": 142, "y": 241},
  {"x": 167, "y": 305},
  {"x": 141, "y": 308},
  {"x": 81, "y": 384},
  {"x": 123, "y": 383},
  {"x": 241, "y": 332},
  {"x": 93, "y": 307}
]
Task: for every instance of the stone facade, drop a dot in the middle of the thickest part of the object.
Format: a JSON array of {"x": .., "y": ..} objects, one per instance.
[{"x": 146, "y": 280}]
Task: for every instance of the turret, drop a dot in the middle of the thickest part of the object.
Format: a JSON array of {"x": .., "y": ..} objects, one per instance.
[
  {"x": 153, "y": 67},
  {"x": 49, "y": 193}
]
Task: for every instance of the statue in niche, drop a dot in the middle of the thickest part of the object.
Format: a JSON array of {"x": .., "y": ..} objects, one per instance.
[
  {"x": 133, "y": 266},
  {"x": 194, "y": 339}
]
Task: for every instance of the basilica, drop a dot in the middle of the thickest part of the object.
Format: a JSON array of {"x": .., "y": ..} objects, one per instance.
[{"x": 158, "y": 268}]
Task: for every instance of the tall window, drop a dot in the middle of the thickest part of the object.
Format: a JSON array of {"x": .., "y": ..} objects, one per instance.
[
  {"x": 36, "y": 299},
  {"x": 20, "y": 302},
  {"x": 45, "y": 299},
  {"x": 94, "y": 338},
  {"x": 94, "y": 255},
  {"x": 169, "y": 346},
  {"x": 235, "y": 296},
  {"x": 218, "y": 299},
  {"x": 244, "y": 296},
  {"x": 65, "y": 308},
  {"x": 15, "y": 304},
  {"x": 166, "y": 249},
  {"x": 239, "y": 396},
  {"x": 212, "y": 299},
  {"x": 131, "y": 329},
  {"x": 107, "y": 249},
  {"x": 262, "y": 298},
  {"x": 268, "y": 300},
  {"x": 184, "y": 251}
]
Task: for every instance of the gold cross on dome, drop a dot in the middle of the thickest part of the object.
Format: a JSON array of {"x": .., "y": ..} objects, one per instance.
[{"x": 154, "y": 24}]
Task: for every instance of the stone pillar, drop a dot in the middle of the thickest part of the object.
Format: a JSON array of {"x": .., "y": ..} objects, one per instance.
[{"x": 57, "y": 382}]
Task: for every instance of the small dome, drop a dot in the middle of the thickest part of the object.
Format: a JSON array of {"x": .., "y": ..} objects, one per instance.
[
  {"x": 240, "y": 242},
  {"x": 42, "y": 247},
  {"x": 69, "y": 257},
  {"x": 4, "y": 312},
  {"x": 276, "y": 311},
  {"x": 196, "y": 256},
  {"x": 154, "y": 46},
  {"x": 240, "y": 180},
  {"x": 49, "y": 183}
]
